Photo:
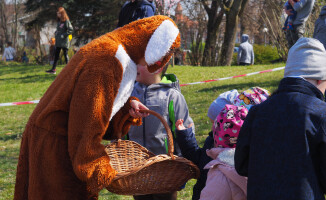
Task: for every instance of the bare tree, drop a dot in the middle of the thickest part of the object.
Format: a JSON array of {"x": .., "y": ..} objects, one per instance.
[
  {"x": 195, "y": 30},
  {"x": 4, "y": 32},
  {"x": 215, "y": 14},
  {"x": 164, "y": 7},
  {"x": 234, "y": 11}
]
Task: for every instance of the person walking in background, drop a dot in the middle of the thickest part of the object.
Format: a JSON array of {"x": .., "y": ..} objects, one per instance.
[
  {"x": 9, "y": 53},
  {"x": 281, "y": 146},
  {"x": 64, "y": 29},
  {"x": 303, "y": 9},
  {"x": 320, "y": 27},
  {"x": 246, "y": 51},
  {"x": 134, "y": 10}
]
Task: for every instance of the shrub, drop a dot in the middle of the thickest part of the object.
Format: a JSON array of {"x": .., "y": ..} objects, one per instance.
[{"x": 263, "y": 54}]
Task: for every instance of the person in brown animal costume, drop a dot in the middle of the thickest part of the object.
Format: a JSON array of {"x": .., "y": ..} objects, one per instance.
[{"x": 61, "y": 154}]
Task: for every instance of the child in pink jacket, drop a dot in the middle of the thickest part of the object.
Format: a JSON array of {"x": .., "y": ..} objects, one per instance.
[{"x": 223, "y": 182}]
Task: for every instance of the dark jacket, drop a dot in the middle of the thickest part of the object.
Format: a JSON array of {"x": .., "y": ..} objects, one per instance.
[
  {"x": 282, "y": 144},
  {"x": 64, "y": 29},
  {"x": 189, "y": 148},
  {"x": 320, "y": 27},
  {"x": 138, "y": 9}
]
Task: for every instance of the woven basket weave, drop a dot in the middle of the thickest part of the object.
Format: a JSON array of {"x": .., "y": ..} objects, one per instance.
[{"x": 142, "y": 172}]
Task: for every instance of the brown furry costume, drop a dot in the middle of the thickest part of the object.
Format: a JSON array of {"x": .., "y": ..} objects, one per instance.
[{"x": 61, "y": 155}]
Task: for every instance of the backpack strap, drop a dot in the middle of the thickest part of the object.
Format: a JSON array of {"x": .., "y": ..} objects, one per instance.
[
  {"x": 172, "y": 117},
  {"x": 172, "y": 120}
]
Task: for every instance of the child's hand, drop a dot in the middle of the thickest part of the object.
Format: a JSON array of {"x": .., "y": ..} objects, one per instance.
[
  {"x": 135, "y": 107},
  {"x": 179, "y": 125}
]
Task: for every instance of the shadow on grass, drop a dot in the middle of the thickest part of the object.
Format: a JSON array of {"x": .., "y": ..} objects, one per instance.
[
  {"x": 227, "y": 87},
  {"x": 19, "y": 68},
  {"x": 30, "y": 79},
  {"x": 6, "y": 137}
]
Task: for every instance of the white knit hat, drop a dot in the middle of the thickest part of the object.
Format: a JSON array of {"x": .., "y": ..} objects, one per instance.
[{"x": 307, "y": 59}]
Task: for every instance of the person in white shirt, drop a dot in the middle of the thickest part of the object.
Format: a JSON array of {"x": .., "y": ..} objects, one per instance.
[{"x": 9, "y": 53}]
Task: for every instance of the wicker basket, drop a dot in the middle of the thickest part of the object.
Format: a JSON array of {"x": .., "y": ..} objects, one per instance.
[{"x": 142, "y": 172}]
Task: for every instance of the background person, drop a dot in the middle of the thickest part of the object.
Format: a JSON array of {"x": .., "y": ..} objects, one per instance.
[
  {"x": 290, "y": 18},
  {"x": 134, "y": 10},
  {"x": 9, "y": 53},
  {"x": 246, "y": 54},
  {"x": 320, "y": 27},
  {"x": 64, "y": 29},
  {"x": 303, "y": 9}
]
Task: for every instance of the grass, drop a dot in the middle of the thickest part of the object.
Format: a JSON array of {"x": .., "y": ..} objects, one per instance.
[{"x": 29, "y": 82}]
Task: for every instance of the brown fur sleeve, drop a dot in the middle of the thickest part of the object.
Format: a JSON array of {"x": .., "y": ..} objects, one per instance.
[
  {"x": 89, "y": 114},
  {"x": 112, "y": 132}
]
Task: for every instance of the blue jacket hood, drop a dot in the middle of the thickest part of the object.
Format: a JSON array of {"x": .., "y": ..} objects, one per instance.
[{"x": 244, "y": 38}]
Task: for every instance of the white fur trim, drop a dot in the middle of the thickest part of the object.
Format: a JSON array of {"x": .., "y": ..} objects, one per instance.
[
  {"x": 127, "y": 83},
  {"x": 227, "y": 156},
  {"x": 161, "y": 41}
]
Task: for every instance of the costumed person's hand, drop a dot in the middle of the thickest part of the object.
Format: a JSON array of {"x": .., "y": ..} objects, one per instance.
[
  {"x": 135, "y": 107},
  {"x": 179, "y": 125}
]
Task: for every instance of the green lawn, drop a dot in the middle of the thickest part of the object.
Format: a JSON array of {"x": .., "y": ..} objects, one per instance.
[{"x": 29, "y": 82}]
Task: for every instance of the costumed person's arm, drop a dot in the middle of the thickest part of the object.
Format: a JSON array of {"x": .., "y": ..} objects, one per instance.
[
  {"x": 89, "y": 117},
  {"x": 113, "y": 130},
  {"x": 241, "y": 157}
]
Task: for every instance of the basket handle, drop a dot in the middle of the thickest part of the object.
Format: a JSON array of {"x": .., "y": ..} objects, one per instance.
[{"x": 165, "y": 124}]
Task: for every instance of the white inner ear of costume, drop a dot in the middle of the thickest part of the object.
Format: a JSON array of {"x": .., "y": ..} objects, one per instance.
[
  {"x": 161, "y": 41},
  {"x": 129, "y": 68}
]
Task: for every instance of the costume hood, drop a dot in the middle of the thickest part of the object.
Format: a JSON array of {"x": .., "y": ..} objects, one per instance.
[{"x": 153, "y": 38}]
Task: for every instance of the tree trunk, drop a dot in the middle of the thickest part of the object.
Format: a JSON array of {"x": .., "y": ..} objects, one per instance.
[
  {"x": 14, "y": 37},
  {"x": 4, "y": 20},
  {"x": 230, "y": 31},
  {"x": 214, "y": 21}
]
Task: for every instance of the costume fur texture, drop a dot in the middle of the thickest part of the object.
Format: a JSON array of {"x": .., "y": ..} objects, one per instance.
[{"x": 61, "y": 155}]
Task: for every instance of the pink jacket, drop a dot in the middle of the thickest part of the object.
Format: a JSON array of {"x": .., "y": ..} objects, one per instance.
[{"x": 223, "y": 182}]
